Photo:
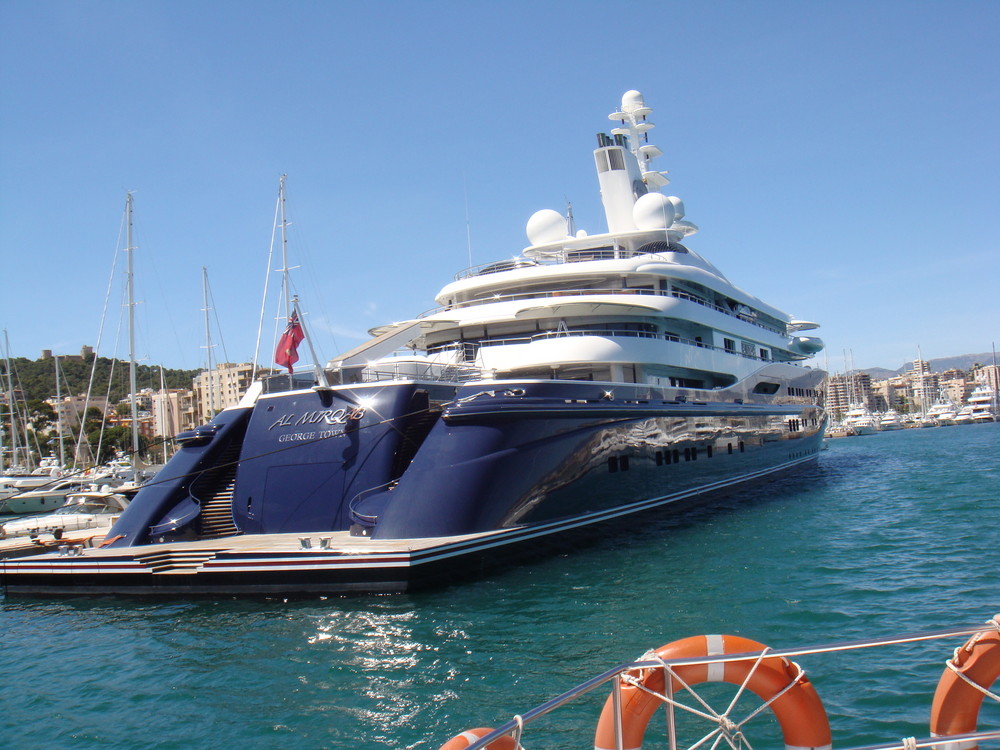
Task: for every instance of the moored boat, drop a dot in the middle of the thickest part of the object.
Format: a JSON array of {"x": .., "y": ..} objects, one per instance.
[
  {"x": 890, "y": 420},
  {"x": 591, "y": 378},
  {"x": 42, "y": 498},
  {"x": 84, "y": 510},
  {"x": 981, "y": 404},
  {"x": 860, "y": 420},
  {"x": 942, "y": 413}
]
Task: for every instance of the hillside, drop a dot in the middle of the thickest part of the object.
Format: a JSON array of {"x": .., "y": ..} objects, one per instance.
[
  {"x": 960, "y": 362},
  {"x": 37, "y": 378}
]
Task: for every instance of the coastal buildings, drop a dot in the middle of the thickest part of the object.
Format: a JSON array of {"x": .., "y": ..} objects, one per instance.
[
  {"x": 843, "y": 391},
  {"x": 911, "y": 393},
  {"x": 215, "y": 390},
  {"x": 172, "y": 410}
]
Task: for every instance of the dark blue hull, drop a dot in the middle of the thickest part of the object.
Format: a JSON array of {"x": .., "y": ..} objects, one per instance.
[{"x": 484, "y": 471}]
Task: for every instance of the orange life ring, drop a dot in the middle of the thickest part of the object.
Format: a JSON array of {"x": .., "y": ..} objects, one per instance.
[
  {"x": 799, "y": 711},
  {"x": 955, "y": 709},
  {"x": 465, "y": 739}
]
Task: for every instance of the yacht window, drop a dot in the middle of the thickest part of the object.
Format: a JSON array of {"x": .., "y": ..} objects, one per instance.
[
  {"x": 617, "y": 158},
  {"x": 659, "y": 246},
  {"x": 768, "y": 389},
  {"x": 729, "y": 344}
]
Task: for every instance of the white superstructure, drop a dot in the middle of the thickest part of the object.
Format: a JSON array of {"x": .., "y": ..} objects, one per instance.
[{"x": 632, "y": 304}]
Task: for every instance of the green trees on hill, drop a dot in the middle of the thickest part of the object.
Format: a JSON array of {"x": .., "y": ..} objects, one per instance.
[
  {"x": 37, "y": 378},
  {"x": 36, "y": 381}
]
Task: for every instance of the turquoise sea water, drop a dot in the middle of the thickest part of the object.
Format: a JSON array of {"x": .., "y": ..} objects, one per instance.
[{"x": 891, "y": 533}]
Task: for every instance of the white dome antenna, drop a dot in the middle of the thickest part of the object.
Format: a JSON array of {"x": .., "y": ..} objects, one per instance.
[{"x": 546, "y": 226}]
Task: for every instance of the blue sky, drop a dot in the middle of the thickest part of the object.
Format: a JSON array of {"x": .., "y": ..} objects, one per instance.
[{"x": 840, "y": 158}]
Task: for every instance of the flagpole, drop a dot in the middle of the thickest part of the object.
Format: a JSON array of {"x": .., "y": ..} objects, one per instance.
[{"x": 320, "y": 373}]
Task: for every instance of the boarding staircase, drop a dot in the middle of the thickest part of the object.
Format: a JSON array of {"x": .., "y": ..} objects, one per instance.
[{"x": 214, "y": 490}]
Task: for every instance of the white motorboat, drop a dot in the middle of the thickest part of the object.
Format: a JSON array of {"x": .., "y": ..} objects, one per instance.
[
  {"x": 890, "y": 420},
  {"x": 85, "y": 510},
  {"x": 981, "y": 404},
  {"x": 45, "y": 498},
  {"x": 859, "y": 419},
  {"x": 942, "y": 413}
]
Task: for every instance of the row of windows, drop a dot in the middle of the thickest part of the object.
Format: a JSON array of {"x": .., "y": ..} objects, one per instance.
[
  {"x": 805, "y": 392},
  {"x": 667, "y": 457},
  {"x": 748, "y": 349},
  {"x": 802, "y": 454},
  {"x": 794, "y": 425}
]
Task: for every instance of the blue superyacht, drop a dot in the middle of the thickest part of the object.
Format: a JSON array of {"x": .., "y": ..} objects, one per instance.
[{"x": 591, "y": 378}]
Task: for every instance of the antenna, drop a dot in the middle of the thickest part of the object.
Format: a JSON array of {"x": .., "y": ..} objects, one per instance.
[{"x": 468, "y": 222}]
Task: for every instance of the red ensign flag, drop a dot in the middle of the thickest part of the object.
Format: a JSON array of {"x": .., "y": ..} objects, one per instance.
[{"x": 287, "y": 352}]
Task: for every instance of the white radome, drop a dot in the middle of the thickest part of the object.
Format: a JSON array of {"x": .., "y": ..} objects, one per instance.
[
  {"x": 653, "y": 211},
  {"x": 546, "y": 226}
]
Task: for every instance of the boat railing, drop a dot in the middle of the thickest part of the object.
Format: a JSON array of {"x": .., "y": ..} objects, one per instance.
[
  {"x": 387, "y": 370},
  {"x": 518, "y": 726},
  {"x": 605, "y": 332},
  {"x": 578, "y": 255},
  {"x": 676, "y": 294}
]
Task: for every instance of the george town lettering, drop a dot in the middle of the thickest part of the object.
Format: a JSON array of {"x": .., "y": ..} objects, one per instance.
[{"x": 318, "y": 417}]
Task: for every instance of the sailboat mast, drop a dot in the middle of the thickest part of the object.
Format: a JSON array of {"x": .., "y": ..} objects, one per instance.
[
  {"x": 284, "y": 249},
  {"x": 10, "y": 409},
  {"x": 168, "y": 422},
  {"x": 130, "y": 284},
  {"x": 208, "y": 345},
  {"x": 59, "y": 411}
]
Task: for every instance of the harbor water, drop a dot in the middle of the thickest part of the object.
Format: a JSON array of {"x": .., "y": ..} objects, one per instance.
[{"x": 891, "y": 533}]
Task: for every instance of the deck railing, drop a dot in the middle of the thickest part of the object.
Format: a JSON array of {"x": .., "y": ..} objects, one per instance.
[
  {"x": 746, "y": 318},
  {"x": 520, "y": 723}
]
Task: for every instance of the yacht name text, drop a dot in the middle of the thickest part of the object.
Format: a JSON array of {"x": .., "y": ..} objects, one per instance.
[{"x": 323, "y": 416}]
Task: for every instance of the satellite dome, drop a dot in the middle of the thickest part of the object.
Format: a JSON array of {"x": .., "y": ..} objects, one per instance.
[
  {"x": 653, "y": 211},
  {"x": 632, "y": 100},
  {"x": 546, "y": 226}
]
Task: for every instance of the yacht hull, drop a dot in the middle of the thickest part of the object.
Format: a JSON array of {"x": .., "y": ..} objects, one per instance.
[{"x": 503, "y": 473}]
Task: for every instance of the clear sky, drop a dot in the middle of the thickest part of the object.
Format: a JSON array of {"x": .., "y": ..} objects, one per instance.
[{"x": 842, "y": 159}]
